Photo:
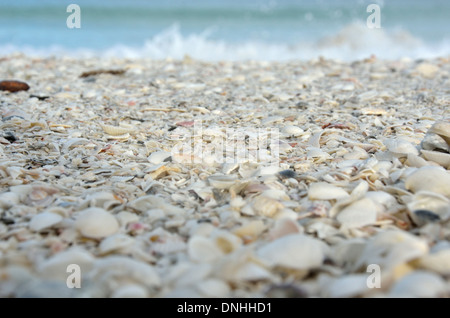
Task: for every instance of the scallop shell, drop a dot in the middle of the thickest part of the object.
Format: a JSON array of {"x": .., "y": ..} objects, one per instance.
[
  {"x": 116, "y": 130},
  {"x": 434, "y": 179},
  {"x": 295, "y": 251},
  {"x": 96, "y": 223},
  {"x": 44, "y": 220},
  {"x": 326, "y": 191}
]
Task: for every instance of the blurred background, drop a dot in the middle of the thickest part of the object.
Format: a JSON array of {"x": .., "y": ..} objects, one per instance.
[{"x": 227, "y": 29}]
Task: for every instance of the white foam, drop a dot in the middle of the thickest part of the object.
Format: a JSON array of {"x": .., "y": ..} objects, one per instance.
[{"x": 355, "y": 41}]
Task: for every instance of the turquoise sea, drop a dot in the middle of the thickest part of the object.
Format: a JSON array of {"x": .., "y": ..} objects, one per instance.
[{"x": 227, "y": 29}]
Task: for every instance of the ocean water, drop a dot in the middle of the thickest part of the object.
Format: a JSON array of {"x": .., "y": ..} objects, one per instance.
[{"x": 227, "y": 29}]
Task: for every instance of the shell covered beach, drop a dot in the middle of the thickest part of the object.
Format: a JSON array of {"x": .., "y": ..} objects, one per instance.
[{"x": 357, "y": 204}]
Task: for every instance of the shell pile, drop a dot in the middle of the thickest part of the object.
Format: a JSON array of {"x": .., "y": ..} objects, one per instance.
[{"x": 357, "y": 204}]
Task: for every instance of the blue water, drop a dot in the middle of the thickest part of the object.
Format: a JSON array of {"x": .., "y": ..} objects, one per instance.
[{"x": 229, "y": 30}]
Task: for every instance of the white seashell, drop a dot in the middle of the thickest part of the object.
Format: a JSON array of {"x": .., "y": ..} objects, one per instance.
[
  {"x": 226, "y": 241},
  {"x": 148, "y": 202},
  {"x": 202, "y": 249},
  {"x": 352, "y": 285},
  {"x": 428, "y": 201},
  {"x": 391, "y": 248},
  {"x": 434, "y": 179},
  {"x": 326, "y": 191},
  {"x": 44, "y": 220},
  {"x": 71, "y": 142},
  {"x": 9, "y": 199},
  {"x": 383, "y": 199},
  {"x": 283, "y": 227},
  {"x": 322, "y": 230},
  {"x": 347, "y": 253},
  {"x": 400, "y": 146},
  {"x": 416, "y": 161},
  {"x": 296, "y": 251},
  {"x": 222, "y": 181},
  {"x": 275, "y": 194},
  {"x": 292, "y": 131},
  {"x": 427, "y": 70},
  {"x": 360, "y": 213},
  {"x": 441, "y": 128},
  {"x": 265, "y": 206},
  {"x": 114, "y": 270},
  {"x": 317, "y": 153},
  {"x": 438, "y": 262},
  {"x": 56, "y": 266},
  {"x": 433, "y": 141},
  {"x": 419, "y": 284},
  {"x": 114, "y": 243},
  {"x": 130, "y": 291},
  {"x": 96, "y": 223},
  {"x": 126, "y": 218},
  {"x": 250, "y": 230},
  {"x": 116, "y": 130},
  {"x": 158, "y": 157},
  {"x": 213, "y": 287},
  {"x": 102, "y": 199},
  {"x": 119, "y": 137},
  {"x": 441, "y": 158}
]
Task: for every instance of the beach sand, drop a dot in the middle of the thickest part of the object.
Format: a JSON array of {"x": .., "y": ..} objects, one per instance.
[{"x": 335, "y": 182}]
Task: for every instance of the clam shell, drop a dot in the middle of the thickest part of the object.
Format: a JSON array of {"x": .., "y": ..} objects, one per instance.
[
  {"x": 158, "y": 157},
  {"x": 441, "y": 158},
  {"x": 44, "y": 220},
  {"x": 434, "y": 179},
  {"x": 326, "y": 191},
  {"x": 96, "y": 223},
  {"x": 114, "y": 243},
  {"x": 360, "y": 213},
  {"x": 116, "y": 130},
  {"x": 295, "y": 251}
]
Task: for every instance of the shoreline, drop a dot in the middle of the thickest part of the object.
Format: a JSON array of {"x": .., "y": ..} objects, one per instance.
[{"x": 90, "y": 177}]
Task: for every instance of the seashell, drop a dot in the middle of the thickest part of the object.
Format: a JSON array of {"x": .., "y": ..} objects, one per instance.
[
  {"x": 386, "y": 201},
  {"x": 322, "y": 230},
  {"x": 102, "y": 199},
  {"x": 416, "y": 161},
  {"x": 96, "y": 223},
  {"x": 347, "y": 253},
  {"x": 222, "y": 181},
  {"x": 158, "y": 157},
  {"x": 9, "y": 199},
  {"x": 13, "y": 86},
  {"x": 442, "y": 129},
  {"x": 428, "y": 206},
  {"x": 291, "y": 130},
  {"x": 326, "y": 191},
  {"x": 433, "y": 141},
  {"x": 125, "y": 218},
  {"x": 317, "y": 153},
  {"x": 265, "y": 206},
  {"x": 438, "y": 262},
  {"x": 202, "y": 249},
  {"x": 275, "y": 194},
  {"x": 419, "y": 284},
  {"x": 391, "y": 248},
  {"x": 116, "y": 130},
  {"x": 119, "y": 137},
  {"x": 401, "y": 147},
  {"x": 213, "y": 287},
  {"x": 56, "y": 266},
  {"x": 114, "y": 270},
  {"x": 226, "y": 241},
  {"x": 441, "y": 158},
  {"x": 44, "y": 220},
  {"x": 130, "y": 291},
  {"x": 427, "y": 70},
  {"x": 148, "y": 202},
  {"x": 295, "y": 251},
  {"x": 114, "y": 243},
  {"x": 352, "y": 285},
  {"x": 250, "y": 230},
  {"x": 283, "y": 227},
  {"x": 71, "y": 142},
  {"x": 433, "y": 179},
  {"x": 358, "y": 214}
]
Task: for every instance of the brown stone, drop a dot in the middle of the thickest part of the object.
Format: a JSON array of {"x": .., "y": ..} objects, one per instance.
[{"x": 13, "y": 86}]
